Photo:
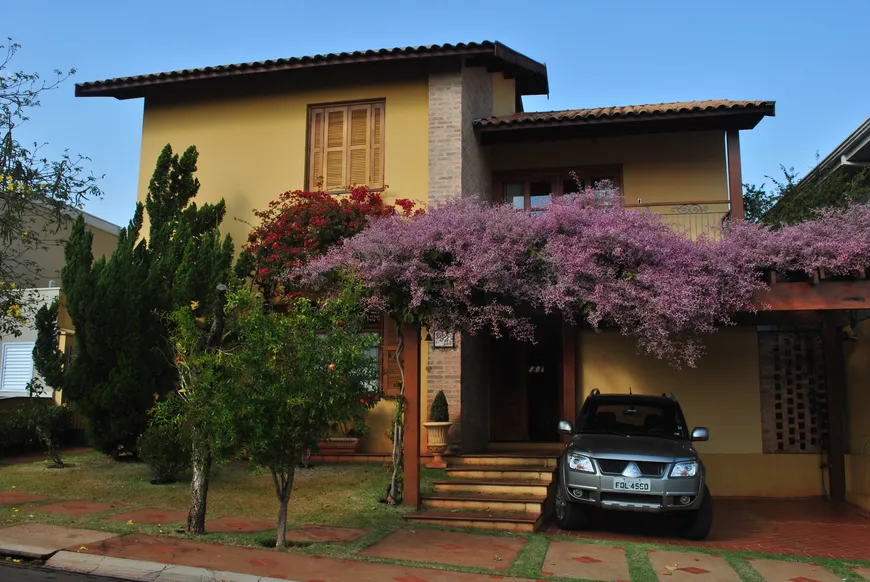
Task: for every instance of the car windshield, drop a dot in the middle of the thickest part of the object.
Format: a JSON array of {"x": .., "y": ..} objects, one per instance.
[{"x": 633, "y": 418}]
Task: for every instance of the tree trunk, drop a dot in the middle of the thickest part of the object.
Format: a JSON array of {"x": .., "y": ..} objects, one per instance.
[
  {"x": 283, "y": 487},
  {"x": 198, "y": 489},
  {"x": 398, "y": 421}
]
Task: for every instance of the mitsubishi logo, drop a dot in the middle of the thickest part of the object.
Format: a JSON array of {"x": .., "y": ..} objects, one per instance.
[{"x": 632, "y": 470}]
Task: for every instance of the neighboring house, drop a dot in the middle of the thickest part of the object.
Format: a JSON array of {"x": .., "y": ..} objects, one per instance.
[
  {"x": 16, "y": 353},
  {"x": 441, "y": 121},
  {"x": 852, "y": 155}
]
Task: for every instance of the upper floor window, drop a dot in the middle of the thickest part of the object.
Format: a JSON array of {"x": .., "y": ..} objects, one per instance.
[
  {"x": 346, "y": 146},
  {"x": 532, "y": 190}
]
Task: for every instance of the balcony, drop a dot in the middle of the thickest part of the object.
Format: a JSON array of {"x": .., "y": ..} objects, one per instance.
[{"x": 694, "y": 219}]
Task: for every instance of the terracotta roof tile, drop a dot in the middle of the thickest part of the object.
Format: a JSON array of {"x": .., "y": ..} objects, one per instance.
[
  {"x": 625, "y": 112},
  {"x": 492, "y": 50}
]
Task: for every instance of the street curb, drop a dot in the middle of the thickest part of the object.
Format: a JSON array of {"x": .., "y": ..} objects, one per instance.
[{"x": 146, "y": 571}]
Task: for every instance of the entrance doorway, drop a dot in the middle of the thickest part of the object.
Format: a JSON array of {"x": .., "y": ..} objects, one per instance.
[{"x": 526, "y": 386}]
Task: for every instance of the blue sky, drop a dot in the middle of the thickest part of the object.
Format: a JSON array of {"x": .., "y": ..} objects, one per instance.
[{"x": 805, "y": 55}]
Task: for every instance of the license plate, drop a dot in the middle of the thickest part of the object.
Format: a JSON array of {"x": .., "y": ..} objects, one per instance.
[{"x": 623, "y": 484}]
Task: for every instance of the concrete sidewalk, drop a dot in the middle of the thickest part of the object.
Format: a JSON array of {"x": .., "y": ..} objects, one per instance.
[{"x": 146, "y": 571}]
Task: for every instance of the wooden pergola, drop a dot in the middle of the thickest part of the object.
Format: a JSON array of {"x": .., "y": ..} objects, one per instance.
[{"x": 821, "y": 295}]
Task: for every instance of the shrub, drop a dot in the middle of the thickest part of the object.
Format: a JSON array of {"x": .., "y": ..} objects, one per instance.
[
  {"x": 440, "y": 412},
  {"x": 15, "y": 434},
  {"x": 165, "y": 448},
  {"x": 46, "y": 420}
]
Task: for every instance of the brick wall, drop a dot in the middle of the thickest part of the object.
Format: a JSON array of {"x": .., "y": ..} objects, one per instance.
[
  {"x": 445, "y": 136},
  {"x": 457, "y": 167}
]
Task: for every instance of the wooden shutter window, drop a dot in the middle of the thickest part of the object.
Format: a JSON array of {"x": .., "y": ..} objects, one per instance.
[
  {"x": 315, "y": 161},
  {"x": 346, "y": 146},
  {"x": 377, "y": 146},
  {"x": 358, "y": 166}
]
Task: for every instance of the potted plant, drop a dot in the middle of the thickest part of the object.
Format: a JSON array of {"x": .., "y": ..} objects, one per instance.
[
  {"x": 437, "y": 429},
  {"x": 345, "y": 437}
]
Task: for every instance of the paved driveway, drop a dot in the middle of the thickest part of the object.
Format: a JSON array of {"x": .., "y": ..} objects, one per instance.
[{"x": 811, "y": 528}]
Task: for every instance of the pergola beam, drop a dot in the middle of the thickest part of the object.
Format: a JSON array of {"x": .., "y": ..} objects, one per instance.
[{"x": 824, "y": 296}]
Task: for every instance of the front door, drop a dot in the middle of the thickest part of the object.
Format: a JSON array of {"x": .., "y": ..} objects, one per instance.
[{"x": 526, "y": 387}]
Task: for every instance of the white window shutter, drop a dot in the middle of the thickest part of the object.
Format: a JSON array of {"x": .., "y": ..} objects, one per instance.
[{"x": 17, "y": 367}]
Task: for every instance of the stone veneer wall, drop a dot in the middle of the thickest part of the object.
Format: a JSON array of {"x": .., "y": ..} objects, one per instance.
[{"x": 457, "y": 167}]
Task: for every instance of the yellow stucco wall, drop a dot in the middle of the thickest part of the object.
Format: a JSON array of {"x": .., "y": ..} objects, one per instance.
[
  {"x": 857, "y": 356},
  {"x": 657, "y": 167},
  {"x": 504, "y": 95},
  {"x": 721, "y": 393},
  {"x": 253, "y": 147}
]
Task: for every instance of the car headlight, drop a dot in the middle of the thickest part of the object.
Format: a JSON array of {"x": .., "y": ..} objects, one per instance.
[
  {"x": 580, "y": 463},
  {"x": 685, "y": 469}
]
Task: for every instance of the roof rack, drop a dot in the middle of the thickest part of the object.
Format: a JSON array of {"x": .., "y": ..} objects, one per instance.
[{"x": 669, "y": 395}]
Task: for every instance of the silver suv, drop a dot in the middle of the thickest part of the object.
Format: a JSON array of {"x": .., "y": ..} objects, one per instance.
[{"x": 633, "y": 453}]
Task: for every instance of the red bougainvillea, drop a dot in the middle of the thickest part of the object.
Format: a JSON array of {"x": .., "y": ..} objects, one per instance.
[{"x": 300, "y": 225}]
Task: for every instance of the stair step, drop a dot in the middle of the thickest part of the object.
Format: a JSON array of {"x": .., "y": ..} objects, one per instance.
[
  {"x": 504, "y": 459},
  {"x": 491, "y": 486},
  {"x": 516, "y": 521},
  {"x": 493, "y": 472},
  {"x": 532, "y": 504}
]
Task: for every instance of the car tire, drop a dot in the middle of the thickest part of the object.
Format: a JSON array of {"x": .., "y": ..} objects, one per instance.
[
  {"x": 696, "y": 524},
  {"x": 570, "y": 516}
]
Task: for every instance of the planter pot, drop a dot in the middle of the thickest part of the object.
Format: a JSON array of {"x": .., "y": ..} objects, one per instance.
[
  {"x": 436, "y": 434},
  {"x": 338, "y": 446}
]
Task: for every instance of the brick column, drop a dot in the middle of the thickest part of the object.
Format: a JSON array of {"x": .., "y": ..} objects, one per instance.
[{"x": 457, "y": 167}]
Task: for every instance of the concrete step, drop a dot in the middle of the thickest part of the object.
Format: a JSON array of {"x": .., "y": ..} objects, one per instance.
[
  {"x": 491, "y": 486},
  {"x": 514, "y": 459},
  {"x": 531, "y": 504},
  {"x": 492, "y": 472},
  {"x": 514, "y": 521}
]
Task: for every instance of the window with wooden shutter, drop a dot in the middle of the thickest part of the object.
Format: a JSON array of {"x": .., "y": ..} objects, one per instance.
[{"x": 346, "y": 146}]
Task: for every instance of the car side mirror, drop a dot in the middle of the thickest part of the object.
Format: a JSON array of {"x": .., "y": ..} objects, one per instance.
[
  {"x": 700, "y": 434},
  {"x": 565, "y": 427}
]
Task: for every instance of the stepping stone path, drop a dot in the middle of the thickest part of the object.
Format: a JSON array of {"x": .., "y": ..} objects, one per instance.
[
  {"x": 229, "y": 524},
  {"x": 10, "y": 497},
  {"x": 318, "y": 533},
  {"x": 36, "y": 540},
  {"x": 777, "y": 571},
  {"x": 457, "y": 549},
  {"x": 76, "y": 507},
  {"x": 686, "y": 566},
  {"x": 149, "y": 516},
  {"x": 587, "y": 561},
  {"x": 272, "y": 564}
]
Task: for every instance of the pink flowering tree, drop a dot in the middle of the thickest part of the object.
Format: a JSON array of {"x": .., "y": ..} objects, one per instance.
[{"x": 470, "y": 266}]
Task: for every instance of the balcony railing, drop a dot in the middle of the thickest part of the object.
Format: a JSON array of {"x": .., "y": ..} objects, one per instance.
[{"x": 694, "y": 219}]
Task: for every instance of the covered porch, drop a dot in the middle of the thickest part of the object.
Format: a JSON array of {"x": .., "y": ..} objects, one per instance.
[{"x": 784, "y": 394}]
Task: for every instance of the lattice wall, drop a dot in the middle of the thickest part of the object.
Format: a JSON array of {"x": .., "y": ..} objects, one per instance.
[{"x": 793, "y": 393}]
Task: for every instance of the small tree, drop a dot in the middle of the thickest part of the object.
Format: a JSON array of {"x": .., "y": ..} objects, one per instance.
[
  {"x": 42, "y": 416},
  {"x": 439, "y": 412},
  {"x": 299, "y": 372},
  {"x": 201, "y": 404}
]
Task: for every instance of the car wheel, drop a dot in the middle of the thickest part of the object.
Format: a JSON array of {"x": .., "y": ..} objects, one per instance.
[
  {"x": 696, "y": 524},
  {"x": 568, "y": 515}
]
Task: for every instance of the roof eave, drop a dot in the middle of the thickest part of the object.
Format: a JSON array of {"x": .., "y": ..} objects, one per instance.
[
  {"x": 531, "y": 75},
  {"x": 855, "y": 141},
  {"x": 743, "y": 118}
]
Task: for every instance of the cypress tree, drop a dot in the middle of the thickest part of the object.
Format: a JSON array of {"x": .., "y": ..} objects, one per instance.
[{"x": 117, "y": 305}]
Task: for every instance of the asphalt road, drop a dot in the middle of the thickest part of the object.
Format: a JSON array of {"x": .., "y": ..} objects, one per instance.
[{"x": 28, "y": 573}]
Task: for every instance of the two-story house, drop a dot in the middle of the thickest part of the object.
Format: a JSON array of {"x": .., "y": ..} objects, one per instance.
[{"x": 435, "y": 122}]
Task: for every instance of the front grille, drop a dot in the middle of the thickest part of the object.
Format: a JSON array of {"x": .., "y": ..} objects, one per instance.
[
  {"x": 630, "y": 498},
  {"x": 616, "y": 467}
]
